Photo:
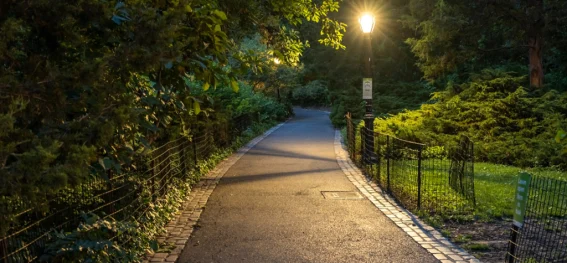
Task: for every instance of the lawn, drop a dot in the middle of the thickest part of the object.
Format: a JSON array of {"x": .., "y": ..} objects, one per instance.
[{"x": 495, "y": 186}]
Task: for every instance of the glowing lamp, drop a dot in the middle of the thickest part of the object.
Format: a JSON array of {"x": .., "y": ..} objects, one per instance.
[{"x": 367, "y": 23}]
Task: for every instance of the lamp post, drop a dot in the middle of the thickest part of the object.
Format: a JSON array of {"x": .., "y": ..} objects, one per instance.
[{"x": 367, "y": 23}]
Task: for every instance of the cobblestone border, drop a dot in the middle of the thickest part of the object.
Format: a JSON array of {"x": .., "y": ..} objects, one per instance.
[
  {"x": 425, "y": 235},
  {"x": 180, "y": 228}
]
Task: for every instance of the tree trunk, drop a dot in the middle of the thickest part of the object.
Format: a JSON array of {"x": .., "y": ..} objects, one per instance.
[{"x": 535, "y": 41}]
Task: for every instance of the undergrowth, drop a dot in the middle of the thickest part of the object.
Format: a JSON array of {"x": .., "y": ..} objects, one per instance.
[{"x": 99, "y": 239}]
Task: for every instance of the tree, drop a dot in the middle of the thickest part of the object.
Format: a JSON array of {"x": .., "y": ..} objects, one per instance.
[
  {"x": 457, "y": 36},
  {"x": 535, "y": 13},
  {"x": 85, "y": 86}
]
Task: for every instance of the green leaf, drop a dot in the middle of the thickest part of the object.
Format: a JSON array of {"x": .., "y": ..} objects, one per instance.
[
  {"x": 234, "y": 85},
  {"x": 188, "y": 9},
  {"x": 154, "y": 245},
  {"x": 145, "y": 142},
  {"x": 196, "y": 107},
  {"x": 206, "y": 86},
  {"x": 220, "y": 14},
  {"x": 106, "y": 163},
  {"x": 151, "y": 101},
  {"x": 560, "y": 136}
]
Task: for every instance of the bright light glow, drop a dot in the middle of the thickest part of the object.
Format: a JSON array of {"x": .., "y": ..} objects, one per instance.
[
  {"x": 366, "y": 23},
  {"x": 277, "y": 61}
]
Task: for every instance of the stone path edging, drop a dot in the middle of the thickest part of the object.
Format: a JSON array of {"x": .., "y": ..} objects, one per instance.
[
  {"x": 179, "y": 229},
  {"x": 425, "y": 235}
]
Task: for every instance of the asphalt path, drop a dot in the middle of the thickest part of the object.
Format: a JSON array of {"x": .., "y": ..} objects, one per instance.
[{"x": 268, "y": 207}]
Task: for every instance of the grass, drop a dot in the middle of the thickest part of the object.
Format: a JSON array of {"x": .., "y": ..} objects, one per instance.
[
  {"x": 482, "y": 229},
  {"x": 495, "y": 186},
  {"x": 462, "y": 238},
  {"x": 437, "y": 196},
  {"x": 477, "y": 247}
]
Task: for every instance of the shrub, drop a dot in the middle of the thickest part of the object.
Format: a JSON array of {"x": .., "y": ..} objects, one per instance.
[
  {"x": 508, "y": 123},
  {"x": 315, "y": 93}
]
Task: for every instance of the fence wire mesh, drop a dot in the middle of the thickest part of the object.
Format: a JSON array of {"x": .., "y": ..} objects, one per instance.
[
  {"x": 543, "y": 237},
  {"x": 435, "y": 179},
  {"x": 124, "y": 196}
]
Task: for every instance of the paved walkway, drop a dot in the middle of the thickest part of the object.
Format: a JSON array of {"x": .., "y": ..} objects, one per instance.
[{"x": 269, "y": 207}]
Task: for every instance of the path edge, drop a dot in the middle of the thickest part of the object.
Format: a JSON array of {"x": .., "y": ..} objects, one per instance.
[
  {"x": 180, "y": 228},
  {"x": 426, "y": 236}
]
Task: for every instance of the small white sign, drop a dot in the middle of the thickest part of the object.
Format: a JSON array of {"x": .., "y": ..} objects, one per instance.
[{"x": 367, "y": 88}]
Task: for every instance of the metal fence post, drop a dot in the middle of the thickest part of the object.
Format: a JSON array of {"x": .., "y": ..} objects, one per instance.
[
  {"x": 349, "y": 135},
  {"x": 111, "y": 186},
  {"x": 352, "y": 141},
  {"x": 419, "y": 177},
  {"x": 471, "y": 160},
  {"x": 155, "y": 173},
  {"x": 195, "y": 159},
  {"x": 183, "y": 160},
  {"x": 354, "y": 150},
  {"x": 388, "y": 153},
  {"x": 378, "y": 159},
  {"x": 351, "y": 146},
  {"x": 362, "y": 146},
  {"x": 512, "y": 248}
]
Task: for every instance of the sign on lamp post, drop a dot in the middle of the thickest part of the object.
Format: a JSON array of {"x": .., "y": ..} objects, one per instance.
[{"x": 367, "y": 88}]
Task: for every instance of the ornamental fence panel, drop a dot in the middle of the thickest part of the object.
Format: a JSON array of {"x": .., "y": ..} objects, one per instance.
[
  {"x": 436, "y": 179},
  {"x": 542, "y": 236}
]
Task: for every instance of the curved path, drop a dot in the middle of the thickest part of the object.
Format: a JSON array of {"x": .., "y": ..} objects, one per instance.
[{"x": 269, "y": 207}]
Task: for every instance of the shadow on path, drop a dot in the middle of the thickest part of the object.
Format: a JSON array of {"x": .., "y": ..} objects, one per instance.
[{"x": 268, "y": 207}]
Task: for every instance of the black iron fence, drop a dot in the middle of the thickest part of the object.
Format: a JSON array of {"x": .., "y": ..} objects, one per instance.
[
  {"x": 440, "y": 179},
  {"x": 435, "y": 179},
  {"x": 120, "y": 196},
  {"x": 543, "y": 235}
]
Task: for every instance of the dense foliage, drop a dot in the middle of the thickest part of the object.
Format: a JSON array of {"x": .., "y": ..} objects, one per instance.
[
  {"x": 86, "y": 85},
  {"x": 314, "y": 93},
  {"x": 508, "y": 123},
  {"x": 491, "y": 70}
]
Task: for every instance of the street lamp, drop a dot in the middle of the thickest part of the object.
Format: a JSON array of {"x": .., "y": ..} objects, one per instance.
[{"x": 367, "y": 22}]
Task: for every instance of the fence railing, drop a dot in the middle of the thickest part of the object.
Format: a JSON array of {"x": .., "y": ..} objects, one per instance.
[
  {"x": 435, "y": 179},
  {"x": 121, "y": 196},
  {"x": 542, "y": 236}
]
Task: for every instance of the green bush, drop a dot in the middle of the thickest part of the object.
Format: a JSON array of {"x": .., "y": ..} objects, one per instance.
[
  {"x": 337, "y": 115},
  {"x": 344, "y": 102},
  {"x": 224, "y": 101},
  {"x": 392, "y": 98},
  {"x": 509, "y": 123},
  {"x": 315, "y": 93},
  {"x": 95, "y": 240}
]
